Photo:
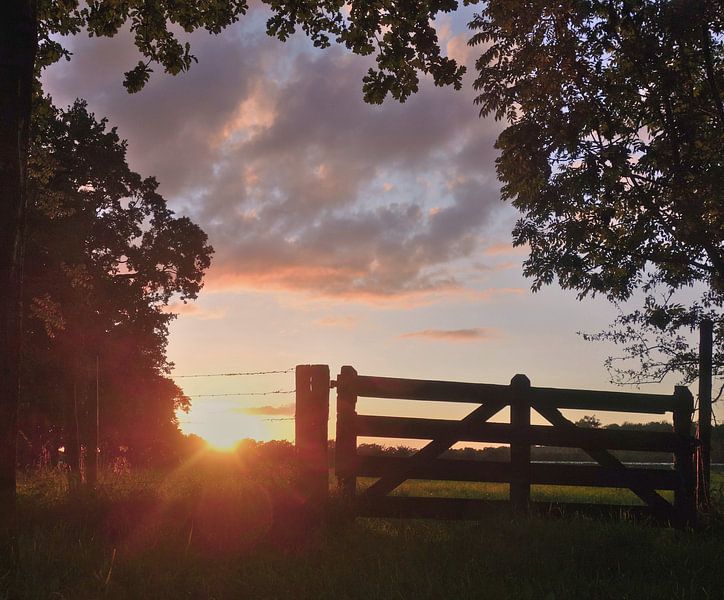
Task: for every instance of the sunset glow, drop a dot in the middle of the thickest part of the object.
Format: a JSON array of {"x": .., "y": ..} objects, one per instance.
[
  {"x": 346, "y": 300},
  {"x": 223, "y": 430},
  {"x": 344, "y": 233}
]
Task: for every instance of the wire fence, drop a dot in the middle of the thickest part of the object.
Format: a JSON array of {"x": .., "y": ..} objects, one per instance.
[
  {"x": 194, "y": 422},
  {"x": 268, "y": 393},
  {"x": 240, "y": 394},
  {"x": 236, "y": 374}
]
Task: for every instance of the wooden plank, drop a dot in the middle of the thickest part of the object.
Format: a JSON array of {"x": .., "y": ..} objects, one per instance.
[
  {"x": 438, "y": 469},
  {"x": 345, "y": 449},
  {"x": 520, "y": 448},
  {"x": 593, "y": 476},
  {"x": 605, "y": 459},
  {"x": 417, "y": 389},
  {"x": 452, "y": 391},
  {"x": 500, "y": 472},
  {"x": 310, "y": 424},
  {"x": 684, "y": 496},
  {"x": 434, "y": 448},
  {"x": 603, "y": 400},
  {"x": 503, "y": 433}
]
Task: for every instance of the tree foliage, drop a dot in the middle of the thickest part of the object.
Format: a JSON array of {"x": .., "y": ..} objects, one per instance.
[
  {"x": 400, "y": 34},
  {"x": 104, "y": 257},
  {"x": 659, "y": 339},
  {"x": 613, "y": 150},
  {"x": 614, "y": 153},
  {"x": 589, "y": 422}
]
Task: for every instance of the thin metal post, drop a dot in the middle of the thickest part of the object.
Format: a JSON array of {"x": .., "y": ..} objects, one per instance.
[{"x": 703, "y": 463}]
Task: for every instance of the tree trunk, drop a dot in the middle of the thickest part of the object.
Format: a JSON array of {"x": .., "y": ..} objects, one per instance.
[
  {"x": 89, "y": 429},
  {"x": 71, "y": 437},
  {"x": 18, "y": 45}
]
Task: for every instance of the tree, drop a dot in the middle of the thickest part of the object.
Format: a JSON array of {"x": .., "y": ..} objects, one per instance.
[
  {"x": 656, "y": 341},
  {"x": 614, "y": 153},
  {"x": 589, "y": 422},
  {"x": 614, "y": 110},
  {"x": 401, "y": 34},
  {"x": 104, "y": 258}
]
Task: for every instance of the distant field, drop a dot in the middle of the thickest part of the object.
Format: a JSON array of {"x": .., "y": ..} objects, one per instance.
[
  {"x": 499, "y": 491},
  {"x": 217, "y": 531},
  {"x": 541, "y": 493}
]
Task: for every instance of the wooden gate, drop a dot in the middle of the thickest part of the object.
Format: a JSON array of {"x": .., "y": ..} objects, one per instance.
[{"x": 520, "y": 472}]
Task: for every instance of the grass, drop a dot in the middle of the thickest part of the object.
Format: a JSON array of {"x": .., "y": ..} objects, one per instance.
[
  {"x": 214, "y": 529},
  {"x": 499, "y": 491}
]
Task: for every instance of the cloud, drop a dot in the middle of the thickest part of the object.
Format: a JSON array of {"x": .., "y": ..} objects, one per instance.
[
  {"x": 341, "y": 322},
  {"x": 283, "y": 410},
  {"x": 506, "y": 249},
  {"x": 455, "y": 335},
  {"x": 194, "y": 311},
  {"x": 300, "y": 185},
  {"x": 492, "y": 293},
  {"x": 457, "y": 48}
]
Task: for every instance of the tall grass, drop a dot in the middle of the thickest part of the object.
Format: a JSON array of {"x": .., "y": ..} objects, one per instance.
[{"x": 221, "y": 529}]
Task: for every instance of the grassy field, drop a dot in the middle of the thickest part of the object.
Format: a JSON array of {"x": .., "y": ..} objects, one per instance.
[{"x": 217, "y": 529}]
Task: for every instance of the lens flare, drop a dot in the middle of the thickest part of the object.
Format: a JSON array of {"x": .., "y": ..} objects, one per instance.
[{"x": 223, "y": 429}]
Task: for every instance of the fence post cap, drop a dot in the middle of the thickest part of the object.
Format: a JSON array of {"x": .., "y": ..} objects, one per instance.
[
  {"x": 520, "y": 380},
  {"x": 682, "y": 391},
  {"x": 685, "y": 397}
]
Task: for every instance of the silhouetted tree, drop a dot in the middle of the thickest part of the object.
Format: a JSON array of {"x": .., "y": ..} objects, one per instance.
[
  {"x": 104, "y": 257},
  {"x": 29, "y": 34},
  {"x": 613, "y": 153},
  {"x": 589, "y": 421}
]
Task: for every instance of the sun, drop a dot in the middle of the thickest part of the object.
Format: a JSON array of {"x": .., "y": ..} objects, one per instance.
[{"x": 223, "y": 429}]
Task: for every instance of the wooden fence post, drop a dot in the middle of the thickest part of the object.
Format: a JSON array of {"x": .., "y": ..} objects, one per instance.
[
  {"x": 703, "y": 451},
  {"x": 310, "y": 427},
  {"x": 684, "y": 496},
  {"x": 346, "y": 439},
  {"x": 520, "y": 446}
]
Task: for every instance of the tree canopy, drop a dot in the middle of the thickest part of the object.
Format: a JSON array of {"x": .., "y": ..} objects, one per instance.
[
  {"x": 614, "y": 154},
  {"x": 401, "y": 35},
  {"x": 104, "y": 257}
]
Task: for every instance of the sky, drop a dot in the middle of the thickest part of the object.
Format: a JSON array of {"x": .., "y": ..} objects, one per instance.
[{"x": 344, "y": 233}]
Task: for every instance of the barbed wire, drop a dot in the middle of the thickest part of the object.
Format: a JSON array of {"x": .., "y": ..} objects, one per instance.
[
  {"x": 269, "y": 393},
  {"x": 238, "y": 374},
  {"x": 193, "y": 422}
]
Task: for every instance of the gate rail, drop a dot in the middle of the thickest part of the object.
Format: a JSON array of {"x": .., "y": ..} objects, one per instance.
[
  {"x": 312, "y": 410},
  {"x": 520, "y": 472}
]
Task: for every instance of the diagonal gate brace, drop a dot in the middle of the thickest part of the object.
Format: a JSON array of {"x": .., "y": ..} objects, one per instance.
[
  {"x": 384, "y": 485},
  {"x": 607, "y": 460}
]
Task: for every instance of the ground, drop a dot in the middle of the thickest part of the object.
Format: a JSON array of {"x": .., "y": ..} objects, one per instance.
[{"x": 221, "y": 529}]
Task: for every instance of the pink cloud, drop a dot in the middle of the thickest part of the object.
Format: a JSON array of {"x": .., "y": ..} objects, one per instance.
[
  {"x": 194, "y": 311},
  {"x": 506, "y": 249},
  {"x": 455, "y": 335},
  {"x": 299, "y": 184},
  {"x": 457, "y": 48},
  {"x": 341, "y": 322}
]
